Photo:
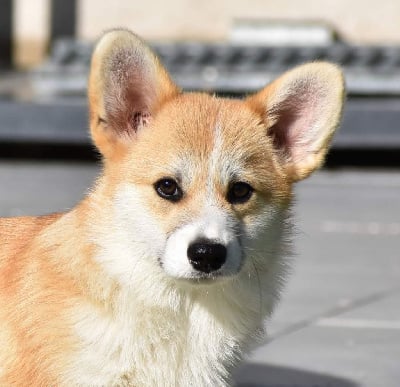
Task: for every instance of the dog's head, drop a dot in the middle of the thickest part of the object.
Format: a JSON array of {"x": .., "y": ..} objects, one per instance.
[{"x": 197, "y": 184}]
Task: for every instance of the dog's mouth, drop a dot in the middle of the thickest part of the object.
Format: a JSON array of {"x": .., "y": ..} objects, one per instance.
[
  {"x": 194, "y": 277},
  {"x": 206, "y": 277},
  {"x": 198, "y": 278}
]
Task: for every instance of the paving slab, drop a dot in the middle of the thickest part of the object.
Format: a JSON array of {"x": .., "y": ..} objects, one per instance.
[
  {"x": 328, "y": 356},
  {"x": 34, "y": 188}
]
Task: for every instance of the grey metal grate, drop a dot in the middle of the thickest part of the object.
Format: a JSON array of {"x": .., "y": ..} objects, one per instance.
[{"x": 238, "y": 69}]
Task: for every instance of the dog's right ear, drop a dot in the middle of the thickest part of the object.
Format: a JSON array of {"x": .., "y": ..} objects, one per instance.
[{"x": 127, "y": 84}]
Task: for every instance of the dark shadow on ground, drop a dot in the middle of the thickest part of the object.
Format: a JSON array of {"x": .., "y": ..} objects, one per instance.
[{"x": 261, "y": 375}]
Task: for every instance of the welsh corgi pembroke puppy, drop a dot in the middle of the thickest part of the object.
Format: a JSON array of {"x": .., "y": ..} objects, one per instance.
[{"x": 165, "y": 273}]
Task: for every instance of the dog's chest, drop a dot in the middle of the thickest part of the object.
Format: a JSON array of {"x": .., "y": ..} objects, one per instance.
[{"x": 157, "y": 347}]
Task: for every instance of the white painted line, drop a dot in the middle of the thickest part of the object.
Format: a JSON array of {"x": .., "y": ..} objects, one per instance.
[
  {"x": 362, "y": 228},
  {"x": 358, "y": 323}
]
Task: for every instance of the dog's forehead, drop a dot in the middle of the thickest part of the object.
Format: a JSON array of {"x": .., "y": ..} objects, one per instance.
[{"x": 200, "y": 123}]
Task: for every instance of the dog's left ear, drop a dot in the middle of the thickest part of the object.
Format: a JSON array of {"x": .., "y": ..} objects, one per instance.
[
  {"x": 301, "y": 111},
  {"x": 127, "y": 84}
]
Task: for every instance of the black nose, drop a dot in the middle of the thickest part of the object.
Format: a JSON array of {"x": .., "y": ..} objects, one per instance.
[{"x": 206, "y": 256}]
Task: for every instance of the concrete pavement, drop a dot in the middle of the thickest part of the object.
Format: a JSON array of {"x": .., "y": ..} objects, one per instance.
[{"x": 338, "y": 324}]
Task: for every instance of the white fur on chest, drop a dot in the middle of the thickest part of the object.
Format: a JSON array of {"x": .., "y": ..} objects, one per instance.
[{"x": 160, "y": 347}]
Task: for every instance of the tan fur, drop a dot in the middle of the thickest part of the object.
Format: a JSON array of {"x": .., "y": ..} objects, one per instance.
[{"x": 67, "y": 304}]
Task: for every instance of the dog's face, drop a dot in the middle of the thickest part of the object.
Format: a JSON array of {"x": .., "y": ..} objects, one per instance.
[
  {"x": 208, "y": 180},
  {"x": 199, "y": 185}
]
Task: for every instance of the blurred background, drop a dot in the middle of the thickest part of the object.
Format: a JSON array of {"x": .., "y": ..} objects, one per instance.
[
  {"x": 230, "y": 47},
  {"x": 339, "y": 322}
]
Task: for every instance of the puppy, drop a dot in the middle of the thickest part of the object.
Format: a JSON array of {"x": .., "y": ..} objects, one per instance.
[{"x": 164, "y": 274}]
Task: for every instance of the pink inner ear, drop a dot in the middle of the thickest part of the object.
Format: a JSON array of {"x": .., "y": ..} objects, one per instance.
[
  {"x": 295, "y": 128},
  {"x": 130, "y": 92},
  {"x": 139, "y": 120}
]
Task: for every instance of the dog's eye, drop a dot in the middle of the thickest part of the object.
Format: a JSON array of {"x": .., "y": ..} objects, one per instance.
[
  {"x": 239, "y": 192},
  {"x": 168, "y": 189}
]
